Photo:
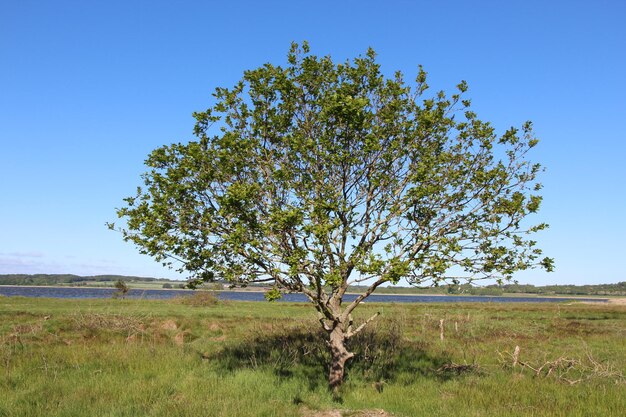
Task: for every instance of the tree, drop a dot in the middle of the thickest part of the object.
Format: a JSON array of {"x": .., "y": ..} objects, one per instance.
[
  {"x": 121, "y": 289},
  {"x": 316, "y": 175}
]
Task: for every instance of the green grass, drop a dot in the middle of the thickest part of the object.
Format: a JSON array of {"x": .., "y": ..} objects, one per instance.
[{"x": 169, "y": 358}]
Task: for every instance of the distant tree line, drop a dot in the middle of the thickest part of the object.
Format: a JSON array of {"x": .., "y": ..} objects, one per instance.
[
  {"x": 495, "y": 290},
  {"x": 54, "y": 279},
  {"x": 597, "y": 289}
]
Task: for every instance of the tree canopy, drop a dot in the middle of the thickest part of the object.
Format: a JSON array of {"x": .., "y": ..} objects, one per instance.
[{"x": 316, "y": 175}]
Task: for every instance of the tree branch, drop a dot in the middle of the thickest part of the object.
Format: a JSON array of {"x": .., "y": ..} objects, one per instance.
[{"x": 361, "y": 327}]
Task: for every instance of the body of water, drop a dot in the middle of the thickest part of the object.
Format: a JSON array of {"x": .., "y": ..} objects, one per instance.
[{"x": 86, "y": 292}]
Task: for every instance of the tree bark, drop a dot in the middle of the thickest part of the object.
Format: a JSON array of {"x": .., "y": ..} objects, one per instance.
[{"x": 340, "y": 356}]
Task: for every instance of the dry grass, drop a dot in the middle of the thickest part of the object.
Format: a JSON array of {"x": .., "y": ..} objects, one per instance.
[
  {"x": 566, "y": 369},
  {"x": 345, "y": 413}
]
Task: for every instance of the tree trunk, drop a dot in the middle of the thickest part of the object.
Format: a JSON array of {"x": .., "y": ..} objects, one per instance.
[{"x": 340, "y": 356}]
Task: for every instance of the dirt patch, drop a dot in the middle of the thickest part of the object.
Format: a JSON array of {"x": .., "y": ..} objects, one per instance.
[
  {"x": 179, "y": 339},
  {"x": 346, "y": 413},
  {"x": 169, "y": 325}
]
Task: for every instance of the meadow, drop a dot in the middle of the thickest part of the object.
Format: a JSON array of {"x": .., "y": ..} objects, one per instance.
[{"x": 199, "y": 357}]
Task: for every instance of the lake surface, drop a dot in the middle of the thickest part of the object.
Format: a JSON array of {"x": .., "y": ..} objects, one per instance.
[{"x": 85, "y": 292}]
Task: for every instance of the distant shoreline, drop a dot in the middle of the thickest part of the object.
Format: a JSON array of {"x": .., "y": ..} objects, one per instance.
[
  {"x": 612, "y": 299},
  {"x": 509, "y": 289}
]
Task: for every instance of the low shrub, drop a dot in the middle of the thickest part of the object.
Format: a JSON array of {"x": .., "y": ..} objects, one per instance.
[{"x": 198, "y": 299}]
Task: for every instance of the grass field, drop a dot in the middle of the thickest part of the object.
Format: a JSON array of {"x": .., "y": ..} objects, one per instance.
[{"x": 199, "y": 358}]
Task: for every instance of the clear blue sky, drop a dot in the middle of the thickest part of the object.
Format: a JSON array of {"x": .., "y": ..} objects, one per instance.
[{"x": 88, "y": 89}]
